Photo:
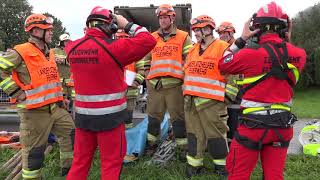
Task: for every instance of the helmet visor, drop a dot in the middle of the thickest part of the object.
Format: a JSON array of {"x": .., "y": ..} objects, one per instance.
[{"x": 164, "y": 11}]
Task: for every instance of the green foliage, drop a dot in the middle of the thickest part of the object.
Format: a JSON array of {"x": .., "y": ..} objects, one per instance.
[
  {"x": 306, "y": 34},
  {"x": 12, "y": 16},
  {"x": 58, "y": 29}
]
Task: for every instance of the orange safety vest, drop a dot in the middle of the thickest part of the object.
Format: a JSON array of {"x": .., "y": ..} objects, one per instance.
[
  {"x": 167, "y": 56},
  {"x": 131, "y": 67},
  {"x": 202, "y": 76},
  {"x": 45, "y": 86}
]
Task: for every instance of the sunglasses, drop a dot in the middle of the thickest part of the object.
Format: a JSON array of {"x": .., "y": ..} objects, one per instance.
[{"x": 164, "y": 10}]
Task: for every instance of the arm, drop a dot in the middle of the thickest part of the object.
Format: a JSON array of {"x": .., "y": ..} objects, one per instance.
[
  {"x": 230, "y": 63},
  {"x": 10, "y": 61},
  {"x": 186, "y": 46}
]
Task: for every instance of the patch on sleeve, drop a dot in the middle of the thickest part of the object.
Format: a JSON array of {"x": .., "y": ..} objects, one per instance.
[{"x": 228, "y": 58}]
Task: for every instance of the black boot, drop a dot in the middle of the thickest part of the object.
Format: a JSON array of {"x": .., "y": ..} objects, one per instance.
[
  {"x": 195, "y": 171},
  {"x": 221, "y": 170},
  {"x": 64, "y": 171}
]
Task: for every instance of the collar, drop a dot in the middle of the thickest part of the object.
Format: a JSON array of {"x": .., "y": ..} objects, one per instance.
[
  {"x": 270, "y": 37},
  {"x": 96, "y": 33},
  {"x": 39, "y": 44},
  {"x": 172, "y": 33}
]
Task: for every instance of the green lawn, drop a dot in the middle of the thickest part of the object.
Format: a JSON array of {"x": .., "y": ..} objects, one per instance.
[
  {"x": 298, "y": 167},
  {"x": 306, "y": 103}
]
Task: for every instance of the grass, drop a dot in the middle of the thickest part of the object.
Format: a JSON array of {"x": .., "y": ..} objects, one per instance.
[
  {"x": 298, "y": 167},
  {"x": 306, "y": 103}
]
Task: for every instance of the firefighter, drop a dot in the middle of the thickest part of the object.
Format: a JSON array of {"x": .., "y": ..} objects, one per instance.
[
  {"x": 63, "y": 65},
  {"x": 165, "y": 79},
  {"x": 97, "y": 63},
  {"x": 35, "y": 83},
  {"x": 133, "y": 90},
  {"x": 226, "y": 33},
  {"x": 204, "y": 91},
  {"x": 266, "y": 121}
]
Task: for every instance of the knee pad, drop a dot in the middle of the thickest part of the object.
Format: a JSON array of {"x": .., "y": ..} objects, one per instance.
[
  {"x": 153, "y": 126},
  {"x": 36, "y": 157},
  {"x": 192, "y": 144},
  {"x": 217, "y": 148},
  {"x": 129, "y": 120},
  {"x": 179, "y": 129},
  {"x": 72, "y": 136}
]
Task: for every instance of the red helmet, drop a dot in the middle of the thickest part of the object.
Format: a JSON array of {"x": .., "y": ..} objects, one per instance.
[
  {"x": 38, "y": 20},
  {"x": 271, "y": 14},
  {"x": 121, "y": 34},
  {"x": 225, "y": 27},
  {"x": 99, "y": 13},
  {"x": 202, "y": 21},
  {"x": 165, "y": 10}
]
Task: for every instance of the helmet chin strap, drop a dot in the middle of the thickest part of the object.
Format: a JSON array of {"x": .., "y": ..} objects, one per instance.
[
  {"x": 203, "y": 36},
  {"x": 43, "y": 38}
]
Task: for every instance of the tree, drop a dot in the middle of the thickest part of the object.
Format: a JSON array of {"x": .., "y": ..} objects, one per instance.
[
  {"x": 58, "y": 29},
  {"x": 12, "y": 16},
  {"x": 306, "y": 34}
]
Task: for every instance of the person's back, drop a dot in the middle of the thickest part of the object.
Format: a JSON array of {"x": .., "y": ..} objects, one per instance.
[
  {"x": 256, "y": 61},
  {"x": 97, "y": 64}
]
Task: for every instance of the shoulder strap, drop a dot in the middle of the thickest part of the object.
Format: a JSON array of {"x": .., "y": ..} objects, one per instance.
[
  {"x": 107, "y": 51},
  {"x": 279, "y": 68}
]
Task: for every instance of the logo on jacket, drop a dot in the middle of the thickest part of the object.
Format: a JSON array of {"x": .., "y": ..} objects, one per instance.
[{"x": 228, "y": 58}]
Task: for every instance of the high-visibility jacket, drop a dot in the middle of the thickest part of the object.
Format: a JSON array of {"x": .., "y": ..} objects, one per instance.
[
  {"x": 202, "y": 76},
  {"x": 100, "y": 102},
  {"x": 45, "y": 87},
  {"x": 167, "y": 56}
]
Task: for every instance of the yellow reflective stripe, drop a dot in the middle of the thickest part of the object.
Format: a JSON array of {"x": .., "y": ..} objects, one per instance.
[
  {"x": 186, "y": 49},
  {"x": 250, "y": 80},
  {"x": 151, "y": 138},
  {"x": 31, "y": 174},
  {"x": 272, "y": 107},
  {"x": 295, "y": 71},
  {"x": 132, "y": 92},
  {"x": 140, "y": 78},
  {"x": 231, "y": 89},
  {"x": 221, "y": 162},
  {"x": 21, "y": 106},
  {"x": 199, "y": 101},
  {"x": 181, "y": 141},
  {"x": 194, "y": 162},
  {"x": 66, "y": 155},
  {"x": 5, "y": 84},
  {"x": 5, "y": 64}
]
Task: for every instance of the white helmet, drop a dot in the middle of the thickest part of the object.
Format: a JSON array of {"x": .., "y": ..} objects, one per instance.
[{"x": 64, "y": 37}]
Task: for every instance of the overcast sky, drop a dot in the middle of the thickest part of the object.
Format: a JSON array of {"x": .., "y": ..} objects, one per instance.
[{"x": 73, "y": 13}]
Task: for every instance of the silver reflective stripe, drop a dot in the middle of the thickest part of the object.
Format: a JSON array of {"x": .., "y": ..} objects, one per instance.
[
  {"x": 100, "y": 98},
  {"x": 43, "y": 88},
  {"x": 167, "y": 61},
  {"x": 43, "y": 98},
  {"x": 204, "y": 90},
  {"x": 247, "y": 103},
  {"x": 101, "y": 111},
  {"x": 166, "y": 70},
  {"x": 204, "y": 80}
]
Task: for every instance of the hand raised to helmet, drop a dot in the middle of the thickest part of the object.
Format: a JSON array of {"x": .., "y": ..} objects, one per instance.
[
  {"x": 246, "y": 32},
  {"x": 121, "y": 21}
]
